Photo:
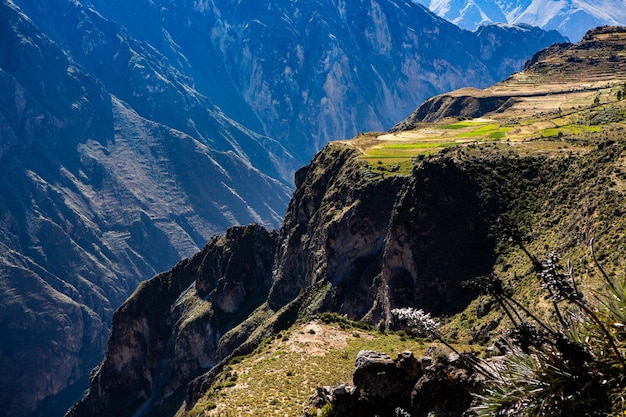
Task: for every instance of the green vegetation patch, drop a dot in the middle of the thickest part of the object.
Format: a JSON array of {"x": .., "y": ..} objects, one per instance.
[
  {"x": 407, "y": 150},
  {"x": 490, "y": 130},
  {"x": 477, "y": 129},
  {"x": 396, "y": 158},
  {"x": 418, "y": 145},
  {"x": 393, "y": 166},
  {"x": 569, "y": 130},
  {"x": 497, "y": 135}
]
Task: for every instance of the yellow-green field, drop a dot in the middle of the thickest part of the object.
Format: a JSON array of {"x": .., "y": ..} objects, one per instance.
[{"x": 393, "y": 153}]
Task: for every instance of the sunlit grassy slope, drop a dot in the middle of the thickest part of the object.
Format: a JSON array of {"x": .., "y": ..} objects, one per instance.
[
  {"x": 278, "y": 378},
  {"x": 281, "y": 375}
]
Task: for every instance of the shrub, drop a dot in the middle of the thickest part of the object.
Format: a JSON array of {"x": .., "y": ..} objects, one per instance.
[
  {"x": 419, "y": 322},
  {"x": 327, "y": 410}
]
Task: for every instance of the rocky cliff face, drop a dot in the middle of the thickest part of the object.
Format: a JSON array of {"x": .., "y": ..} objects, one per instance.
[
  {"x": 375, "y": 238},
  {"x": 439, "y": 236},
  {"x": 168, "y": 331},
  {"x": 334, "y": 232},
  {"x": 353, "y": 242}
]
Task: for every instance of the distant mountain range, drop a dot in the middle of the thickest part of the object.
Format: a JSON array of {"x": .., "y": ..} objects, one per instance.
[
  {"x": 133, "y": 131},
  {"x": 572, "y": 18}
]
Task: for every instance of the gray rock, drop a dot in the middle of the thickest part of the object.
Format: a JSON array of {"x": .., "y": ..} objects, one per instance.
[{"x": 408, "y": 386}]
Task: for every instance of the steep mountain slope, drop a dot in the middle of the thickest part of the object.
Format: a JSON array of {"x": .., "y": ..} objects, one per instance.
[
  {"x": 572, "y": 18},
  {"x": 94, "y": 198},
  {"x": 301, "y": 73},
  {"x": 363, "y": 234},
  {"x": 157, "y": 85},
  {"x": 131, "y": 132}
]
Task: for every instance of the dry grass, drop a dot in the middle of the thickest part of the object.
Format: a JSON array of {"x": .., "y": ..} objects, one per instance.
[{"x": 279, "y": 379}]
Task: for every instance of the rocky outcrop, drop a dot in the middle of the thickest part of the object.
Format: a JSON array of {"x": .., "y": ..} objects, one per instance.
[
  {"x": 464, "y": 106},
  {"x": 435, "y": 384},
  {"x": 439, "y": 236},
  {"x": 168, "y": 330},
  {"x": 334, "y": 232},
  {"x": 373, "y": 238}
]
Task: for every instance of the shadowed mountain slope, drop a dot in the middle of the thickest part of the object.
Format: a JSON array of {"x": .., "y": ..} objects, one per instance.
[{"x": 93, "y": 199}]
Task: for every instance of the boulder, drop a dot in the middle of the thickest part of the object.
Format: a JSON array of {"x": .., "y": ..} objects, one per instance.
[{"x": 436, "y": 384}]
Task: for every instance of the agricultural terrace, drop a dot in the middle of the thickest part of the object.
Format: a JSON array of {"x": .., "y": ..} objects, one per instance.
[{"x": 545, "y": 120}]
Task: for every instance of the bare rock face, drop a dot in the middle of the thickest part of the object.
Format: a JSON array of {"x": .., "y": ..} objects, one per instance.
[
  {"x": 439, "y": 236},
  {"x": 168, "y": 330},
  {"x": 444, "y": 390},
  {"x": 382, "y": 243},
  {"x": 334, "y": 232},
  {"x": 378, "y": 377},
  {"x": 454, "y": 105}
]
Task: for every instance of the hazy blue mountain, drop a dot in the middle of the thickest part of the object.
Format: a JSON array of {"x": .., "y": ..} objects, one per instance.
[
  {"x": 305, "y": 73},
  {"x": 133, "y": 131},
  {"x": 572, "y": 18},
  {"x": 94, "y": 198}
]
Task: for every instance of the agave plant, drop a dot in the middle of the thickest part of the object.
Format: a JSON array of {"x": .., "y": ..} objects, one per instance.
[{"x": 572, "y": 368}]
